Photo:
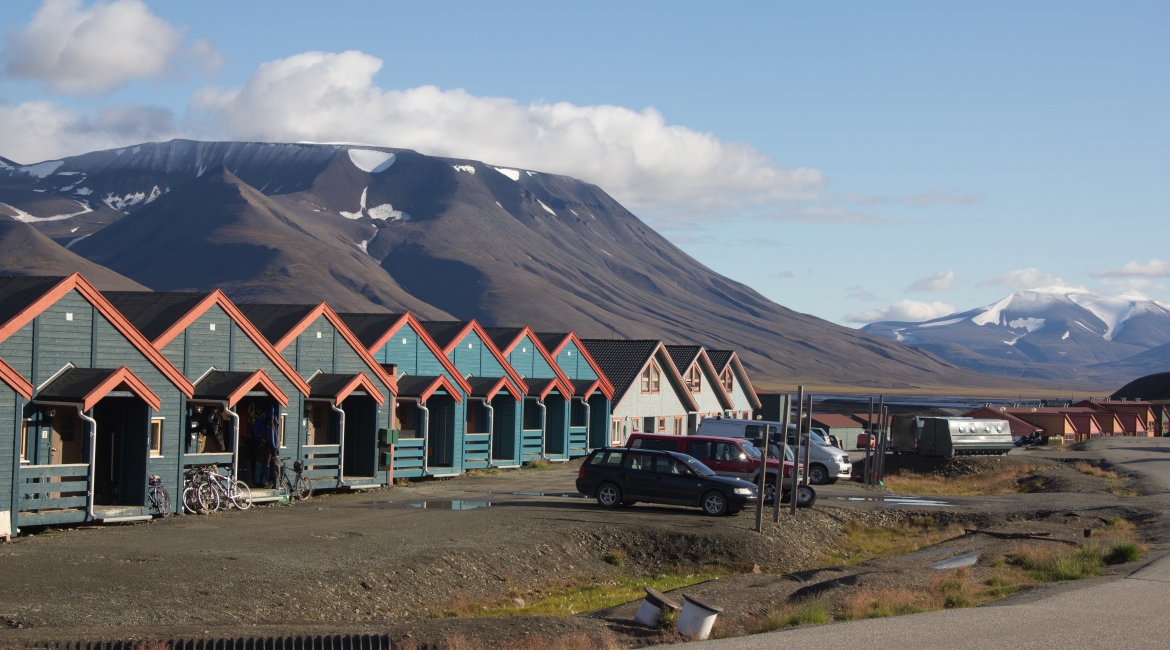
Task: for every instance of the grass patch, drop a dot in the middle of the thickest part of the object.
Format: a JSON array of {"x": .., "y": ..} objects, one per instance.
[
  {"x": 992, "y": 482},
  {"x": 860, "y": 542},
  {"x": 1092, "y": 470},
  {"x": 803, "y": 612},
  {"x": 490, "y": 471},
  {"x": 531, "y": 641},
  {"x": 615, "y": 558},
  {"x": 539, "y": 463},
  {"x": 576, "y": 595}
]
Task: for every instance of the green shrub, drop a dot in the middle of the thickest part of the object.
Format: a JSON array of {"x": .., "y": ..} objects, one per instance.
[{"x": 1122, "y": 553}]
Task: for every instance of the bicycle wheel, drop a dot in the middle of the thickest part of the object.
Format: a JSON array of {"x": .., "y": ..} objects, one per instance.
[
  {"x": 161, "y": 500},
  {"x": 283, "y": 486},
  {"x": 191, "y": 501},
  {"x": 242, "y": 495},
  {"x": 208, "y": 497},
  {"x": 303, "y": 488}
]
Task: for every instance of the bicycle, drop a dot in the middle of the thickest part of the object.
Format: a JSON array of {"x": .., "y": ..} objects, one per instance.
[
  {"x": 199, "y": 495},
  {"x": 236, "y": 493},
  {"x": 160, "y": 499},
  {"x": 300, "y": 487}
]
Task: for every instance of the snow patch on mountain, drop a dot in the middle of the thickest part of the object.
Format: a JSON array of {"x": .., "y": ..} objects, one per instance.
[
  {"x": 992, "y": 314},
  {"x": 464, "y": 168},
  {"x": 1031, "y": 324},
  {"x": 42, "y": 170},
  {"x": 362, "y": 208},
  {"x": 546, "y": 208},
  {"x": 125, "y": 201},
  {"x": 21, "y": 215},
  {"x": 513, "y": 174},
  {"x": 386, "y": 212},
  {"x": 371, "y": 161},
  {"x": 949, "y": 321}
]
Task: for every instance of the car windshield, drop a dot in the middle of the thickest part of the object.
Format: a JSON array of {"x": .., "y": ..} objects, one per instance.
[
  {"x": 751, "y": 450},
  {"x": 774, "y": 452},
  {"x": 817, "y": 439},
  {"x": 697, "y": 467}
]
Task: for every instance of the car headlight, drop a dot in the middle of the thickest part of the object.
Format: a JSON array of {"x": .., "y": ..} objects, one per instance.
[{"x": 745, "y": 491}]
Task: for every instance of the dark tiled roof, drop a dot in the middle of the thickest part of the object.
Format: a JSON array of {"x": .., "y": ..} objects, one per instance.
[
  {"x": 581, "y": 385},
  {"x": 502, "y": 336},
  {"x": 19, "y": 291},
  {"x": 620, "y": 360},
  {"x": 219, "y": 384},
  {"x": 368, "y": 328},
  {"x": 481, "y": 385},
  {"x": 720, "y": 358},
  {"x": 550, "y": 340},
  {"x": 683, "y": 355},
  {"x": 414, "y": 385},
  {"x": 442, "y": 332},
  {"x": 538, "y": 386},
  {"x": 274, "y": 321},
  {"x": 153, "y": 312},
  {"x": 74, "y": 384},
  {"x": 328, "y": 385}
]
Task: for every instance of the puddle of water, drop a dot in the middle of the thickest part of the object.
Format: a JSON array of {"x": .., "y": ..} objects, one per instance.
[
  {"x": 895, "y": 501},
  {"x": 956, "y": 562},
  {"x": 561, "y": 495},
  {"x": 452, "y": 505}
]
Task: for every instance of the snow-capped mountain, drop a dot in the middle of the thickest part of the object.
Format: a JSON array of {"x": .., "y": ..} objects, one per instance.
[{"x": 1029, "y": 331}]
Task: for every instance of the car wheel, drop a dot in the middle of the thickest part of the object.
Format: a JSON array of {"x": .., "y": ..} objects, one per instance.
[
  {"x": 609, "y": 495},
  {"x": 770, "y": 490},
  {"x": 714, "y": 503},
  {"x": 805, "y": 497},
  {"x": 818, "y": 474}
]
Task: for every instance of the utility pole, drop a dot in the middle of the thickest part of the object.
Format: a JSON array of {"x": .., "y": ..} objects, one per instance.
[
  {"x": 808, "y": 447},
  {"x": 868, "y": 444},
  {"x": 796, "y": 456},
  {"x": 762, "y": 481},
  {"x": 783, "y": 433}
]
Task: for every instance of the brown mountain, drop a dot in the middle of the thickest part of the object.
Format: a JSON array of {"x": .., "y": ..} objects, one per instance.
[
  {"x": 368, "y": 228},
  {"x": 217, "y": 231},
  {"x": 25, "y": 251}
]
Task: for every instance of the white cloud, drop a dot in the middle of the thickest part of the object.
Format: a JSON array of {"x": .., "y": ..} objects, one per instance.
[
  {"x": 935, "y": 282},
  {"x": 1022, "y": 279},
  {"x": 34, "y": 131},
  {"x": 80, "y": 50},
  {"x": 859, "y": 293},
  {"x": 634, "y": 155},
  {"x": 903, "y": 310},
  {"x": 1155, "y": 268}
]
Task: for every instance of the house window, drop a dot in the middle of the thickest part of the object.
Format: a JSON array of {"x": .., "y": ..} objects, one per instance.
[
  {"x": 662, "y": 425},
  {"x": 747, "y": 415},
  {"x": 678, "y": 425},
  {"x": 651, "y": 379},
  {"x": 615, "y": 431},
  {"x": 649, "y": 424},
  {"x": 319, "y": 433},
  {"x": 635, "y": 425},
  {"x": 156, "y": 432},
  {"x": 694, "y": 379},
  {"x": 726, "y": 380}
]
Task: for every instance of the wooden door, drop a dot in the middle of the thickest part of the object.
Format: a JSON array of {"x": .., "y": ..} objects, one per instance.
[{"x": 68, "y": 439}]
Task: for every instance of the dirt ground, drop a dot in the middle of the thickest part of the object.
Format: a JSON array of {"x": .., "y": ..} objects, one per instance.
[{"x": 389, "y": 560}]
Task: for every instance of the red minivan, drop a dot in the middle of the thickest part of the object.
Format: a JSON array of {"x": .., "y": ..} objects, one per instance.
[{"x": 735, "y": 457}]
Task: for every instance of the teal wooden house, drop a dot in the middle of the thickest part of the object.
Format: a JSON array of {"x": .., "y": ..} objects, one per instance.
[
  {"x": 545, "y": 416},
  {"x": 592, "y": 391},
  {"x": 351, "y": 395},
  {"x": 83, "y": 407},
  {"x": 238, "y": 379},
  {"x": 492, "y": 414},
  {"x": 429, "y": 414}
]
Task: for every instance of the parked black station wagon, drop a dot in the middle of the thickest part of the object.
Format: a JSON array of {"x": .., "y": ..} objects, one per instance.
[{"x": 623, "y": 477}]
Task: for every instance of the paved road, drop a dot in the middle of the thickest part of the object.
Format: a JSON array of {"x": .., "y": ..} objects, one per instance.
[{"x": 1106, "y": 613}]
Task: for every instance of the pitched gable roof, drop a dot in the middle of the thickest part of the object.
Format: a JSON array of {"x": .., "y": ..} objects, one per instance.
[
  {"x": 453, "y": 332},
  {"x": 231, "y": 386},
  {"x": 153, "y": 312},
  {"x": 721, "y": 359},
  {"x": 30, "y": 296},
  {"x": 563, "y": 339},
  {"x": 505, "y": 338},
  {"x": 337, "y": 387},
  {"x": 623, "y": 361},
  {"x": 164, "y": 316},
  {"x": 552, "y": 340},
  {"x": 14, "y": 380},
  {"x": 513, "y": 336},
  {"x": 279, "y": 320},
  {"x": 87, "y": 386},
  {"x": 422, "y": 387},
  {"x": 376, "y": 329},
  {"x": 489, "y": 387},
  {"x": 683, "y": 355}
]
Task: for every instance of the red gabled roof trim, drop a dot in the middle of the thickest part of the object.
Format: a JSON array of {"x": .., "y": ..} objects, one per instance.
[
  {"x": 556, "y": 383},
  {"x": 121, "y": 376},
  {"x": 258, "y": 378},
  {"x": 606, "y": 386},
  {"x": 501, "y": 384},
  {"x": 539, "y": 347},
  {"x": 76, "y": 282},
  {"x": 18, "y": 383},
  {"x": 440, "y": 382},
  {"x": 409, "y": 319},
  {"x": 743, "y": 378},
  {"x": 474, "y": 325},
  {"x": 360, "y": 380},
  {"x": 218, "y": 297},
  {"x": 323, "y": 309}
]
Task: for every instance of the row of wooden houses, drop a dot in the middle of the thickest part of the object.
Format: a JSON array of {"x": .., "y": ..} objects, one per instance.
[
  {"x": 100, "y": 390},
  {"x": 1083, "y": 420}
]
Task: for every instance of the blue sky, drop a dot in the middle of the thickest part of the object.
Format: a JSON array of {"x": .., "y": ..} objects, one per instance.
[{"x": 849, "y": 160}]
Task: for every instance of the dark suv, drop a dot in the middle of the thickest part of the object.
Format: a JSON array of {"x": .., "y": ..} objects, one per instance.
[{"x": 623, "y": 477}]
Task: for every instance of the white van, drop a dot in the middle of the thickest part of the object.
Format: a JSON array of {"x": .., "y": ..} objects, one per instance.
[{"x": 826, "y": 464}]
